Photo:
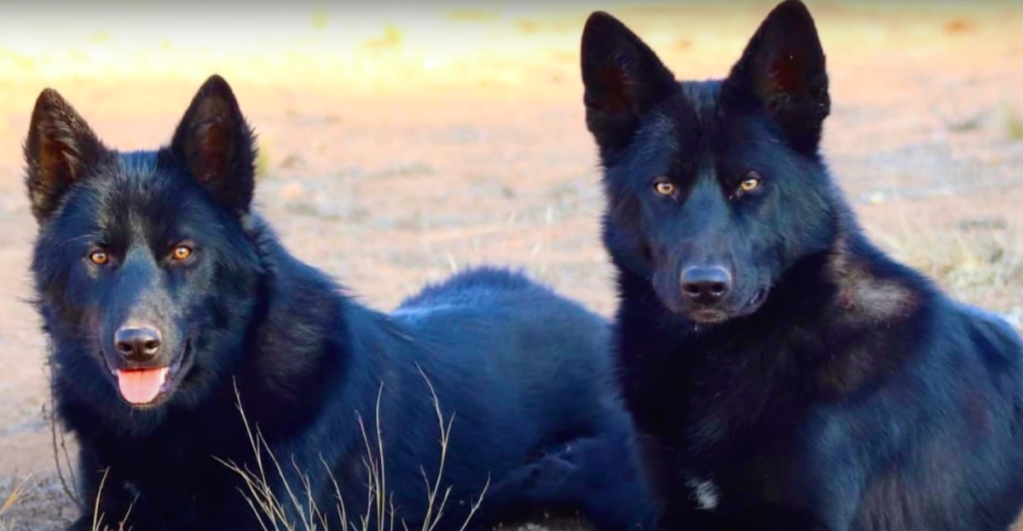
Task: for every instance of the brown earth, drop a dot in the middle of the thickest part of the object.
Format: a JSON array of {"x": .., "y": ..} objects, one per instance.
[{"x": 398, "y": 148}]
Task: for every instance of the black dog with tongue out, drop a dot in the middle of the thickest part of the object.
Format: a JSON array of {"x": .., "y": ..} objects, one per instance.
[{"x": 169, "y": 304}]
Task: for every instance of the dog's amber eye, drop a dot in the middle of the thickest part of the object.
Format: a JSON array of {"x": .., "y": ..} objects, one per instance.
[
  {"x": 664, "y": 188},
  {"x": 181, "y": 252},
  {"x": 99, "y": 257},
  {"x": 750, "y": 183}
]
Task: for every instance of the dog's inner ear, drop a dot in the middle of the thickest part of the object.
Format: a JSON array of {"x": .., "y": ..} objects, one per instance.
[
  {"x": 623, "y": 78},
  {"x": 782, "y": 72},
  {"x": 217, "y": 145},
  {"x": 59, "y": 150}
]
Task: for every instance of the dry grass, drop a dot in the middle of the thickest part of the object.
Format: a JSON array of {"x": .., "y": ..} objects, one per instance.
[
  {"x": 968, "y": 263},
  {"x": 28, "y": 504},
  {"x": 98, "y": 518},
  {"x": 9, "y": 502},
  {"x": 272, "y": 511},
  {"x": 980, "y": 263}
]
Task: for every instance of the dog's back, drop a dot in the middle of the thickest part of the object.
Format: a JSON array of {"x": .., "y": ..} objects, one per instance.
[
  {"x": 552, "y": 351},
  {"x": 950, "y": 422},
  {"x": 511, "y": 349}
]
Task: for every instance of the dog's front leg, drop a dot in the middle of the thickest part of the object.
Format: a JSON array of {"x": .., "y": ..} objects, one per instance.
[
  {"x": 598, "y": 475},
  {"x": 108, "y": 500}
]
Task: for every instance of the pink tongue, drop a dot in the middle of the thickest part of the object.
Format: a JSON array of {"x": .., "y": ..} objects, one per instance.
[{"x": 141, "y": 386}]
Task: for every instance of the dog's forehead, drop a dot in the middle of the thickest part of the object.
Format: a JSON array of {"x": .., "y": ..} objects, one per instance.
[
  {"x": 135, "y": 196},
  {"x": 680, "y": 132},
  {"x": 122, "y": 179},
  {"x": 701, "y": 133},
  {"x": 655, "y": 140},
  {"x": 702, "y": 99},
  {"x": 140, "y": 166},
  {"x": 141, "y": 177},
  {"x": 697, "y": 118}
]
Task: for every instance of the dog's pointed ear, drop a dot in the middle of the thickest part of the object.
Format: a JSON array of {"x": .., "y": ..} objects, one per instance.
[
  {"x": 216, "y": 144},
  {"x": 782, "y": 72},
  {"x": 59, "y": 150},
  {"x": 622, "y": 77}
]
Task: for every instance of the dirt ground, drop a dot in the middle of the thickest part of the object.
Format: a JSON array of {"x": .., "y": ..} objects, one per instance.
[{"x": 397, "y": 148}]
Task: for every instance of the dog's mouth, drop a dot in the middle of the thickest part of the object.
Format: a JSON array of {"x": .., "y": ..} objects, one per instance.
[
  {"x": 707, "y": 316},
  {"x": 148, "y": 387},
  {"x": 711, "y": 315},
  {"x": 142, "y": 386}
]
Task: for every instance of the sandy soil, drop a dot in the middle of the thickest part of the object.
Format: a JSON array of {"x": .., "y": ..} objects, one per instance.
[{"x": 398, "y": 148}]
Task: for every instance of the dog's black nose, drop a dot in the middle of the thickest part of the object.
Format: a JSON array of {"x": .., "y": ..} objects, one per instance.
[
  {"x": 706, "y": 285},
  {"x": 138, "y": 343}
]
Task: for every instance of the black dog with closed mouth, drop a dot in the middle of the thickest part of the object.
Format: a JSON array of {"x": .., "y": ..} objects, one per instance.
[
  {"x": 167, "y": 301},
  {"x": 789, "y": 375}
]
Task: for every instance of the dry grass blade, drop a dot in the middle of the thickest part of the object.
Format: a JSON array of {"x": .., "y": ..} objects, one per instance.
[
  {"x": 274, "y": 513},
  {"x": 9, "y": 502},
  {"x": 431, "y": 519},
  {"x": 97, "y": 516},
  {"x": 58, "y": 440}
]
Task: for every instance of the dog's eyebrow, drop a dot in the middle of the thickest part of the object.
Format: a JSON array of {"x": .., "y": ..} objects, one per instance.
[
  {"x": 88, "y": 236},
  {"x": 654, "y": 145}
]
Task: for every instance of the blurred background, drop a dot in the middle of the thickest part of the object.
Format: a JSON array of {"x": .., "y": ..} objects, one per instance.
[{"x": 402, "y": 143}]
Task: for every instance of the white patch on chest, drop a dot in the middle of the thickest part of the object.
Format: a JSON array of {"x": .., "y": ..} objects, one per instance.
[{"x": 705, "y": 492}]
